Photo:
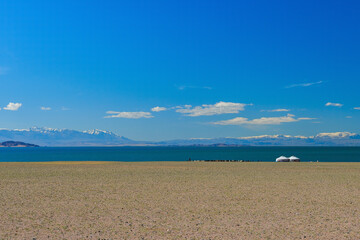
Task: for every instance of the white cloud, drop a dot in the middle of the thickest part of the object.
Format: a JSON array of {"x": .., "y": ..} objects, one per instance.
[
  {"x": 133, "y": 115},
  {"x": 357, "y": 108},
  {"x": 65, "y": 108},
  {"x": 209, "y": 110},
  {"x": 304, "y": 84},
  {"x": 13, "y": 106},
  {"x": 330, "y": 104},
  {"x": 184, "y": 106},
  {"x": 261, "y": 121},
  {"x": 45, "y": 108},
  {"x": 277, "y": 110},
  {"x": 348, "y": 116},
  {"x": 158, "y": 109}
]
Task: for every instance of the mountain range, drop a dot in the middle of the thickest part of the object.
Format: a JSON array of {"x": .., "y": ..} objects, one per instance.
[
  {"x": 322, "y": 139},
  {"x": 67, "y": 137},
  {"x": 64, "y": 137}
]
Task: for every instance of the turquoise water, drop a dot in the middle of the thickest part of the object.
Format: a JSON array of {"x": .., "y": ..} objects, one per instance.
[{"x": 137, "y": 154}]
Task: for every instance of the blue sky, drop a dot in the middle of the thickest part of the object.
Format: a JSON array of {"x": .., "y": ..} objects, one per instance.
[{"x": 106, "y": 64}]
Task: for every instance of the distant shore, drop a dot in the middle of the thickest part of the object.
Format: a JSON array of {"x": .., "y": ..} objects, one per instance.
[{"x": 17, "y": 144}]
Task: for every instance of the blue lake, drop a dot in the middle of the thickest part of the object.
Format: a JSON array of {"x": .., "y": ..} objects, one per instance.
[{"x": 138, "y": 154}]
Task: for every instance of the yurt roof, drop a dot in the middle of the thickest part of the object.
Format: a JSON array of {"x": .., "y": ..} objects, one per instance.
[
  {"x": 282, "y": 157},
  {"x": 293, "y": 157}
]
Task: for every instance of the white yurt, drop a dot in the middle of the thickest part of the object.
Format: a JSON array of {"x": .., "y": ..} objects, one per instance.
[
  {"x": 294, "y": 159},
  {"x": 282, "y": 159}
]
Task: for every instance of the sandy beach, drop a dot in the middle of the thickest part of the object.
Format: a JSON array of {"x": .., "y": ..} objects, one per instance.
[{"x": 179, "y": 200}]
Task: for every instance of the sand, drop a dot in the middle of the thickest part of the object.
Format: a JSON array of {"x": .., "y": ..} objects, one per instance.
[{"x": 186, "y": 200}]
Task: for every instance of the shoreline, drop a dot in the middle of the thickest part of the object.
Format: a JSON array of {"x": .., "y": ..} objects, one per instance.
[{"x": 185, "y": 161}]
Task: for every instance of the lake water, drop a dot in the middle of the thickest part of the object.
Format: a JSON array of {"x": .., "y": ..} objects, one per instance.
[{"x": 137, "y": 154}]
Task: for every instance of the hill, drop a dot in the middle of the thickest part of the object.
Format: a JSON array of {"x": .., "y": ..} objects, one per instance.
[{"x": 17, "y": 144}]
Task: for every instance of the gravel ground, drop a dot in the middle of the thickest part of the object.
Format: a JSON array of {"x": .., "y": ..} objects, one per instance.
[{"x": 173, "y": 200}]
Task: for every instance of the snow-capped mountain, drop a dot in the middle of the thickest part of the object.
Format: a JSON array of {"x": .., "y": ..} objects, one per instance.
[
  {"x": 96, "y": 137},
  {"x": 322, "y": 139},
  {"x": 64, "y": 137},
  {"x": 99, "y": 132}
]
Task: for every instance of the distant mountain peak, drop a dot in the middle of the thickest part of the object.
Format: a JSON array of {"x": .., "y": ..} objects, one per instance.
[
  {"x": 98, "y": 132},
  {"x": 46, "y": 129},
  {"x": 337, "y": 135}
]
